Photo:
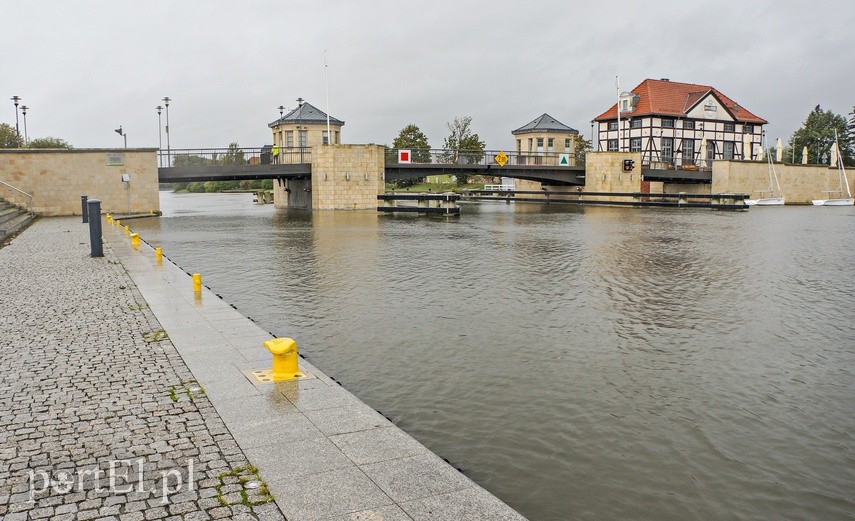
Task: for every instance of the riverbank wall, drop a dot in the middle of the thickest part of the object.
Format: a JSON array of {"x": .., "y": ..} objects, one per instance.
[{"x": 125, "y": 180}]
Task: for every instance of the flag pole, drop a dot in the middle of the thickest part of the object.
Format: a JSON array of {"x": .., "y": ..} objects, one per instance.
[
  {"x": 327, "y": 87},
  {"x": 617, "y": 104}
]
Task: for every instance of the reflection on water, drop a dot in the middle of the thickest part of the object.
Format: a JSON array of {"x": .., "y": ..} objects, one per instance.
[{"x": 581, "y": 363}]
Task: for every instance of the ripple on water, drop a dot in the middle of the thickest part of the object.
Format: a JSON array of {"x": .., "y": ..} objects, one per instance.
[{"x": 581, "y": 363}]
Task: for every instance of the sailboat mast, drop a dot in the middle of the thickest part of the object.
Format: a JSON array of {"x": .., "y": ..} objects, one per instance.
[{"x": 841, "y": 168}]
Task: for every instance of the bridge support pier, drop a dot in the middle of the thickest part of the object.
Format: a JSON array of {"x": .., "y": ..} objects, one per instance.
[{"x": 292, "y": 193}]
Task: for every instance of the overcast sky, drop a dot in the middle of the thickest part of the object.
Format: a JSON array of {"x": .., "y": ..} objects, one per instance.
[{"x": 86, "y": 67}]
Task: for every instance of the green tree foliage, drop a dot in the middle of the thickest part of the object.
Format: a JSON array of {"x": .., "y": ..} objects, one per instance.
[
  {"x": 412, "y": 138},
  {"x": 462, "y": 146},
  {"x": 582, "y": 146},
  {"x": 234, "y": 156},
  {"x": 817, "y": 133},
  {"x": 8, "y": 137},
  {"x": 48, "y": 142},
  {"x": 191, "y": 160}
]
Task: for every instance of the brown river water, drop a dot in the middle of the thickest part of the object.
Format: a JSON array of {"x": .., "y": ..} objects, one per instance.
[{"x": 578, "y": 362}]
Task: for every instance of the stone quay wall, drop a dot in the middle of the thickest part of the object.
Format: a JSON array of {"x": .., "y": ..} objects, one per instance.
[{"x": 57, "y": 178}]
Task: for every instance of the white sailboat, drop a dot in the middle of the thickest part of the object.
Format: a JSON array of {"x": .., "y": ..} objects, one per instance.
[
  {"x": 774, "y": 186},
  {"x": 842, "y": 188}
]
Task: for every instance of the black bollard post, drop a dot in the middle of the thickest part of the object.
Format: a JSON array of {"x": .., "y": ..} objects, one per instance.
[
  {"x": 95, "y": 244},
  {"x": 85, "y": 211}
]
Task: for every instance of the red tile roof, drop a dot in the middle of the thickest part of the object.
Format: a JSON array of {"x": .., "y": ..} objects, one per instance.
[{"x": 672, "y": 98}]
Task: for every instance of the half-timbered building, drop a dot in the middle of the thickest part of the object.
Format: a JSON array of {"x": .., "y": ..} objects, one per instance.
[{"x": 677, "y": 124}]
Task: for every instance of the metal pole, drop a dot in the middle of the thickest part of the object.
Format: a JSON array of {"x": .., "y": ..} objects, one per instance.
[
  {"x": 84, "y": 208},
  {"x": 299, "y": 124},
  {"x": 16, "y": 99},
  {"x": 95, "y": 245},
  {"x": 24, "y": 112},
  {"x": 159, "y": 136},
  {"x": 166, "y": 100}
]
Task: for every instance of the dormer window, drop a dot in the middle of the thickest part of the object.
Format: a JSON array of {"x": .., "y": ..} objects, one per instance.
[{"x": 628, "y": 101}]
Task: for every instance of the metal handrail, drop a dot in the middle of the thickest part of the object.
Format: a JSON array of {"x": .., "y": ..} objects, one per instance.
[
  {"x": 439, "y": 156},
  {"x": 15, "y": 188},
  {"x": 213, "y": 157}
]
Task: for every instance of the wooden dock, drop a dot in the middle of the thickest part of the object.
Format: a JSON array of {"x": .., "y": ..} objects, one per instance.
[
  {"x": 427, "y": 203},
  {"x": 637, "y": 199}
]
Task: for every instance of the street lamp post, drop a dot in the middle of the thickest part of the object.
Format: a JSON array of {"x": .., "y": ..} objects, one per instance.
[
  {"x": 166, "y": 101},
  {"x": 15, "y": 100},
  {"x": 24, "y": 113},
  {"x": 159, "y": 136},
  {"x": 123, "y": 134}
]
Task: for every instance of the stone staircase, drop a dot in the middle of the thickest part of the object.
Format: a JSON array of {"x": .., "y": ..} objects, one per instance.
[{"x": 13, "y": 220}]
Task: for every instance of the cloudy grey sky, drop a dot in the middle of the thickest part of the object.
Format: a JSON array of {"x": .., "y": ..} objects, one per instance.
[{"x": 86, "y": 67}]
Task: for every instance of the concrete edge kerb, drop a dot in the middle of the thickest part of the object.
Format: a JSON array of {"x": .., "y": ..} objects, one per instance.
[{"x": 324, "y": 453}]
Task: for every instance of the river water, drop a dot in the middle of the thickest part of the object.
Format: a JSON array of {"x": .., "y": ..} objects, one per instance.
[{"x": 578, "y": 362}]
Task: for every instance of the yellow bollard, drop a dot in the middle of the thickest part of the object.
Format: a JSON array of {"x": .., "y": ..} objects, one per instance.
[
  {"x": 285, "y": 361},
  {"x": 197, "y": 282},
  {"x": 158, "y": 255},
  {"x": 118, "y": 223},
  {"x": 135, "y": 240},
  {"x": 127, "y": 231},
  {"x": 109, "y": 219}
]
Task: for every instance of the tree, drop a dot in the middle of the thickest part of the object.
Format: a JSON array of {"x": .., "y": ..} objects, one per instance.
[
  {"x": 48, "y": 142},
  {"x": 817, "y": 133},
  {"x": 412, "y": 138},
  {"x": 8, "y": 137},
  {"x": 582, "y": 146},
  {"x": 462, "y": 146},
  {"x": 234, "y": 155}
]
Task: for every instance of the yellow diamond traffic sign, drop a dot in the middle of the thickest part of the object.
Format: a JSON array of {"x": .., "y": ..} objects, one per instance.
[{"x": 501, "y": 158}]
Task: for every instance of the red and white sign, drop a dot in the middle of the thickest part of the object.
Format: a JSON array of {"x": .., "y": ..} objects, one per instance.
[{"x": 404, "y": 156}]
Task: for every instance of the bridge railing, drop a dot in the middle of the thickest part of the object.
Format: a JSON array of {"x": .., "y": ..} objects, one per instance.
[
  {"x": 486, "y": 157},
  {"x": 266, "y": 155}
]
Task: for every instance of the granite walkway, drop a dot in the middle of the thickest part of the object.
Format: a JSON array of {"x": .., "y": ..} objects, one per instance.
[{"x": 114, "y": 364}]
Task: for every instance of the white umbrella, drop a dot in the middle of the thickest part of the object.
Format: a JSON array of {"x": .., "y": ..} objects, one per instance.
[
  {"x": 805, "y": 155},
  {"x": 779, "y": 150},
  {"x": 702, "y": 156},
  {"x": 834, "y": 153}
]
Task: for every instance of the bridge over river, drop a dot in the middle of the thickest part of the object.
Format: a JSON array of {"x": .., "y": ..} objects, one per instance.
[{"x": 237, "y": 164}]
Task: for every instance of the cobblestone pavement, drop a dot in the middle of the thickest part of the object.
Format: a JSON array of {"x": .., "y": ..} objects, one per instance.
[{"x": 99, "y": 416}]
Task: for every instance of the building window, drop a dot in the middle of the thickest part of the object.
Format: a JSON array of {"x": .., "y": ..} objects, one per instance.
[
  {"x": 636, "y": 123},
  {"x": 337, "y": 138},
  {"x": 667, "y": 149},
  {"x": 519, "y": 146},
  {"x": 304, "y": 138},
  {"x": 550, "y": 145},
  {"x": 289, "y": 138},
  {"x": 730, "y": 127},
  {"x": 688, "y": 123},
  {"x": 566, "y": 145},
  {"x": 727, "y": 150},
  {"x": 668, "y": 122},
  {"x": 613, "y": 125},
  {"x": 749, "y": 129},
  {"x": 613, "y": 145},
  {"x": 326, "y": 137},
  {"x": 688, "y": 151},
  {"x": 635, "y": 144},
  {"x": 530, "y": 141}
]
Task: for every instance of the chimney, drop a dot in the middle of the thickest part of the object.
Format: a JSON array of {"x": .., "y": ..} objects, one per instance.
[{"x": 664, "y": 79}]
